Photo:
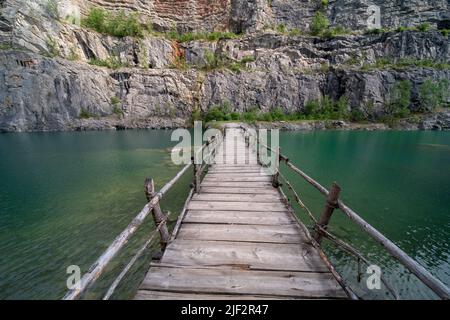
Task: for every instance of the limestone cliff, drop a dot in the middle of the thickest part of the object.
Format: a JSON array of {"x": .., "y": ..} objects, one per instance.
[{"x": 47, "y": 83}]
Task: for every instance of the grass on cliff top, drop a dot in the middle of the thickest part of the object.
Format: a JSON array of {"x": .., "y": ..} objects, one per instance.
[
  {"x": 120, "y": 24},
  {"x": 406, "y": 63}
]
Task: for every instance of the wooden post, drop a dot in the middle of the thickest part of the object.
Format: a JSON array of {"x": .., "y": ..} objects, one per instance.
[
  {"x": 331, "y": 204},
  {"x": 158, "y": 215},
  {"x": 276, "y": 176}
]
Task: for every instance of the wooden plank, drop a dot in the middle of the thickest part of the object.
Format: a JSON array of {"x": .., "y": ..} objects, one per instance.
[
  {"x": 236, "y": 171},
  {"x": 255, "y": 197},
  {"x": 259, "y": 256},
  {"x": 227, "y": 281},
  {"x": 245, "y": 233},
  {"x": 239, "y": 217},
  {"x": 253, "y": 184},
  {"x": 236, "y": 206},
  {"x": 263, "y": 190},
  {"x": 228, "y": 178},
  {"x": 221, "y": 174},
  {"x": 234, "y": 167},
  {"x": 167, "y": 295}
]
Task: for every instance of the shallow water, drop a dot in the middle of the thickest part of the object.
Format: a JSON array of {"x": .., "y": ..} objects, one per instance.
[{"x": 65, "y": 196}]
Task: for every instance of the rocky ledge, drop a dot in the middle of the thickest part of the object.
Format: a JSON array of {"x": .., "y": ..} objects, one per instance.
[{"x": 57, "y": 75}]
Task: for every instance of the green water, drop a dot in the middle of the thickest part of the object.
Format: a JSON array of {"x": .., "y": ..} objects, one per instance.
[
  {"x": 65, "y": 196},
  {"x": 398, "y": 181}
]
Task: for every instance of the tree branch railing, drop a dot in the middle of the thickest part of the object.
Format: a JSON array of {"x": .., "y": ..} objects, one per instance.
[
  {"x": 333, "y": 202},
  {"x": 159, "y": 218}
]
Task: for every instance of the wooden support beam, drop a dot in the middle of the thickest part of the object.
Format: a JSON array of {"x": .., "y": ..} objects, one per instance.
[
  {"x": 158, "y": 215},
  {"x": 330, "y": 205}
]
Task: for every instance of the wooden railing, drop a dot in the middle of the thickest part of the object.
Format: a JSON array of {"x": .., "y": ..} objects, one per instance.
[
  {"x": 204, "y": 152},
  {"x": 320, "y": 228}
]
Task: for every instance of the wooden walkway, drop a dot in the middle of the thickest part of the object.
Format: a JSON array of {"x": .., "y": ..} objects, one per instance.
[{"x": 238, "y": 240}]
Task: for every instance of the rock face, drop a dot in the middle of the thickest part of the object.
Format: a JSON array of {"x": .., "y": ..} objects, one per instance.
[{"x": 46, "y": 82}]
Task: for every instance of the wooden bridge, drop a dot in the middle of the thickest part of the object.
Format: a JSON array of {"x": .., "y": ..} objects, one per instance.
[
  {"x": 238, "y": 240},
  {"x": 237, "y": 236}
]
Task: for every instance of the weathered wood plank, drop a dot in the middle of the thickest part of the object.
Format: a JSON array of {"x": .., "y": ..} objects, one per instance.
[
  {"x": 221, "y": 174},
  {"x": 237, "y": 190},
  {"x": 255, "y": 197},
  {"x": 239, "y": 217},
  {"x": 236, "y": 206},
  {"x": 167, "y": 295},
  {"x": 262, "y": 256},
  {"x": 227, "y": 281},
  {"x": 253, "y": 184},
  {"x": 245, "y": 233},
  {"x": 227, "y": 178}
]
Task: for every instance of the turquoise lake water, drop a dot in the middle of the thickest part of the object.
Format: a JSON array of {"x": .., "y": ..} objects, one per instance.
[{"x": 65, "y": 196}]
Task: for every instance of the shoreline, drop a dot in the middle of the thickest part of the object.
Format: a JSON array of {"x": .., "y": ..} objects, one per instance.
[{"x": 439, "y": 121}]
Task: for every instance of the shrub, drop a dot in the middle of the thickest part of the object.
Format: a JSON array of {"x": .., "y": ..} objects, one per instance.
[
  {"x": 312, "y": 107},
  {"x": 277, "y": 114},
  {"x": 432, "y": 94},
  {"x": 53, "y": 47},
  {"x": 248, "y": 59},
  {"x": 115, "y": 24},
  {"x": 326, "y": 108},
  {"x": 319, "y": 23},
  {"x": 111, "y": 63},
  {"x": 117, "y": 111},
  {"x": 357, "y": 115},
  {"x": 400, "y": 99},
  {"x": 115, "y": 101},
  {"x": 84, "y": 114},
  {"x": 333, "y": 32},
  {"x": 281, "y": 28},
  {"x": 192, "y": 36},
  {"x": 295, "y": 32},
  {"x": 424, "y": 27},
  {"x": 445, "y": 32}
]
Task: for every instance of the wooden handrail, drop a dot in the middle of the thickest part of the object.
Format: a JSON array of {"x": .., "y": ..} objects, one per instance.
[
  {"x": 99, "y": 266},
  {"x": 154, "y": 198},
  {"x": 437, "y": 286}
]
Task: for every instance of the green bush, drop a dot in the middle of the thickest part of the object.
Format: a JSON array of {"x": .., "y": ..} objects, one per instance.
[
  {"x": 118, "y": 111},
  {"x": 424, "y": 27},
  {"x": 53, "y": 47},
  {"x": 445, "y": 32},
  {"x": 326, "y": 108},
  {"x": 334, "y": 32},
  {"x": 212, "y": 61},
  {"x": 84, "y": 114},
  {"x": 295, "y": 32},
  {"x": 115, "y": 101},
  {"x": 281, "y": 28},
  {"x": 357, "y": 115},
  {"x": 192, "y": 36},
  {"x": 111, "y": 63},
  {"x": 433, "y": 94},
  {"x": 117, "y": 24},
  {"x": 319, "y": 23},
  {"x": 400, "y": 99}
]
